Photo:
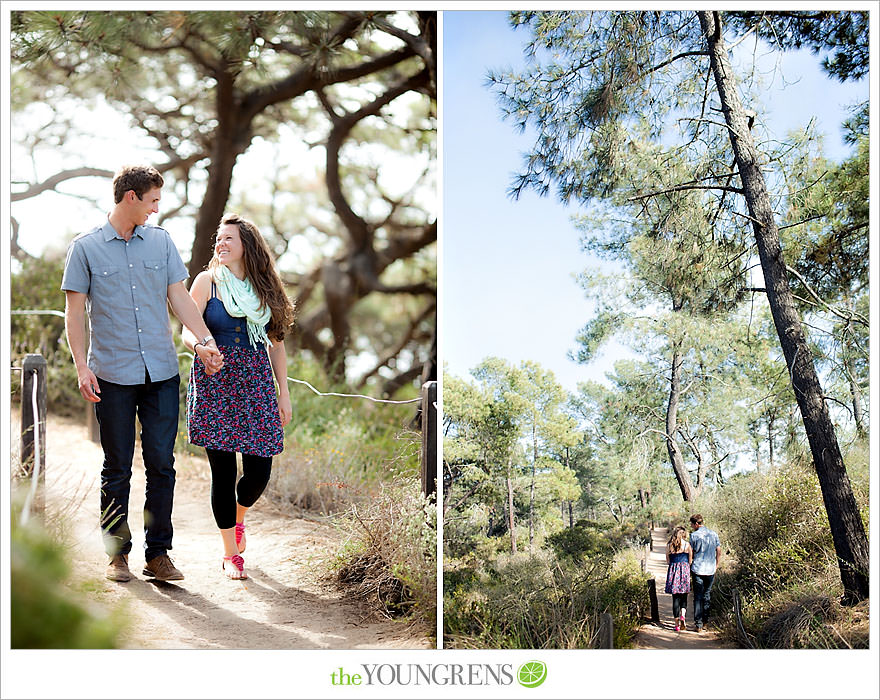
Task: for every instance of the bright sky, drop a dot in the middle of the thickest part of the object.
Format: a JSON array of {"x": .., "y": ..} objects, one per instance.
[{"x": 508, "y": 266}]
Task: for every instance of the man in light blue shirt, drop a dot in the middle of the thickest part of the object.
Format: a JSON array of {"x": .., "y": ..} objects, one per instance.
[
  {"x": 126, "y": 273},
  {"x": 707, "y": 554}
]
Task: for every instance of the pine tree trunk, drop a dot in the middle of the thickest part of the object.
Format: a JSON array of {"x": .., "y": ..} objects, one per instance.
[
  {"x": 532, "y": 489},
  {"x": 675, "y": 458},
  {"x": 847, "y": 528},
  {"x": 511, "y": 523}
]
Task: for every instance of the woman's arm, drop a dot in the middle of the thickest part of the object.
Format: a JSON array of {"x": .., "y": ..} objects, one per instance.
[
  {"x": 278, "y": 359},
  {"x": 200, "y": 292}
]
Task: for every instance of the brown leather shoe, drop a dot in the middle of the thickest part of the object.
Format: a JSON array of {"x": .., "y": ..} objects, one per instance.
[
  {"x": 162, "y": 569},
  {"x": 117, "y": 569}
]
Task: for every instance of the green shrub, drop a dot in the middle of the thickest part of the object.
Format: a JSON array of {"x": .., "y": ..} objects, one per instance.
[
  {"x": 783, "y": 562},
  {"x": 583, "y": 540},
  {"x": 339, "y": 451},
  {"x": 36, "y": 285},
  {"x": 531, "y": 602},
  {"x": 44, "y": 612}
]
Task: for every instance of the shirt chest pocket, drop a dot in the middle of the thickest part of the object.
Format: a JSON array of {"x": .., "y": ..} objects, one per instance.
[
  {"x": 155, "y": 275},
  {"x": 105, "y": 277}
]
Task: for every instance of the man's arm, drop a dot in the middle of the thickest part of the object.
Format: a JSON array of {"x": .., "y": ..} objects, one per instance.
[
  {"x": 188, "y": 313},
  {"x": 717, "y": 555},
  {"x": 75, "y": 325}
]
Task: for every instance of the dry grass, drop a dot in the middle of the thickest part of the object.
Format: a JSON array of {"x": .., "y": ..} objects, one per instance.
[
  {"x": 389, "y": 558},
  {"x": 816, "y": 621}
]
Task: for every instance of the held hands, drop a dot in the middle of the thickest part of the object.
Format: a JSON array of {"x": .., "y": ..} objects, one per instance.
[
  {"x": 210, "y": 356},
  {"x": 88, "y": 385},
  {"x": 284, "y": 409}
]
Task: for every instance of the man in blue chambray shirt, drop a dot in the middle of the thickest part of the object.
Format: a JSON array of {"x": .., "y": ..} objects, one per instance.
[
  {"x": 707, "y": 555},
  {"x": 126, "y": 272}
]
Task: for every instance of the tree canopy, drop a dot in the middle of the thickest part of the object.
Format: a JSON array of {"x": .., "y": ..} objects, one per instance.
[{"x": 203, "y": 86}]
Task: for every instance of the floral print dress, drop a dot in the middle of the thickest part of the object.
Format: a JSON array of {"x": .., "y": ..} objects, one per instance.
[{"x": 236, "y": 409}]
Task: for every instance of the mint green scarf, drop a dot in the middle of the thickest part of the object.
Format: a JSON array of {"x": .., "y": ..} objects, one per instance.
[{"x": 241, "y": 301}]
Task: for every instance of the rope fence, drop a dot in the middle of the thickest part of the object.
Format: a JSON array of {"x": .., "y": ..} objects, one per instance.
[
  {"x": 33, "y": 420},
  {"x": 37, "y": 312},
  {"x": 330, "y": 393}
]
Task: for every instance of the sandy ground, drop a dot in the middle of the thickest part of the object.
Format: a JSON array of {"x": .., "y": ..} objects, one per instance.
[
  {"x": 650, "y": 636},
  {"x": 283, "y": 605}
]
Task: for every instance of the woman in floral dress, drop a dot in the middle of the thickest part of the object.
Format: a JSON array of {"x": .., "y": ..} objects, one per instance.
[
  {"x": 678, "y": 576},
  {"x": 232, "y": 405}
]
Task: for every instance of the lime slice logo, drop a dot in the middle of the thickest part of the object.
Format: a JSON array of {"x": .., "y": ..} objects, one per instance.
[{"x": 532, "y": 673}]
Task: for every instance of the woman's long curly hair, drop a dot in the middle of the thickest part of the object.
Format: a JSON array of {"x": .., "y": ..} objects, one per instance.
[
  {"x": 259, "y": 266},
  {"x": 675, "y": 542}
]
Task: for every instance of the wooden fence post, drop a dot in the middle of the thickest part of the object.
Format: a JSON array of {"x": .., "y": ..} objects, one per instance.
[
  {"x": 429, "y": 439},
  {"x": 606, "y": 631},
  {"x": 655, "y": 608},
  {"x": 33, "y": 370}
]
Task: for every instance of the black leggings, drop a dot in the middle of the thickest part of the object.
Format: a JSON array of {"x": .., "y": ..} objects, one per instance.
[
  {"x": 679, "y": 603},
  {"x": 255, "y": 476}
]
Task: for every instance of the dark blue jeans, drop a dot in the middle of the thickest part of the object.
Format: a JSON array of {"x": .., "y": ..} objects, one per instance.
[
  {"x": 702, "y": 586},
  {"x": 156, "y": 405}
]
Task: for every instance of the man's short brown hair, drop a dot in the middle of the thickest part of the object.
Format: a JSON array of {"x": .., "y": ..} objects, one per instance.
[
  {"x": 696, "y": 519},
  {"x": 140, "y": 178}
]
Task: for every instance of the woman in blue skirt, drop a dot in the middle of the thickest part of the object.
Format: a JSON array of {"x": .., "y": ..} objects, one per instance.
[
  {"x": 233, "y": 406},
  {"x": 678, "y": 576}
]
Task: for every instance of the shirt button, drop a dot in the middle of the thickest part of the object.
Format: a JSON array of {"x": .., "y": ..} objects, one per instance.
[
  {"x": 237, "y": 340},
  {"x": 136, "y": 308},
  {"x": 134, "y": 286},
  {"x": 130, "y": 265},
  {"x": 140, "y": 331},
  {"x": 142, "y": 352},
  {"x": 238, "y": 328}
]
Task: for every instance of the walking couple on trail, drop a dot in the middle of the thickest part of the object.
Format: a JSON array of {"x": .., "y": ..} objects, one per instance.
[
  {"x": 692, "y": 562},
  {"x": 235, "y": 316}
]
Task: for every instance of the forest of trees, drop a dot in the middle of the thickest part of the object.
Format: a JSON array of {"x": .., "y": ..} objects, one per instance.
[{"x": 744, "y": 299}]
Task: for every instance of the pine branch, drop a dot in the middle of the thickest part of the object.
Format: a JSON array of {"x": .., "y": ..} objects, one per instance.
[
  {"x": 680, "y": 188},
  {"x": 851, "y": 316}
]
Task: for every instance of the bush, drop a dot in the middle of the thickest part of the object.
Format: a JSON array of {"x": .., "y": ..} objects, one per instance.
[
  {"x": 776, "y": 528},
  {"x": 37, "y": 286},
  {"x": 540, "y": 602},
  {"x": 783, "y": 563},
  {"x": 584, "y": 540},
  {"x": 389, "y": 556},
  {"x": 338, "y": 451},
  {"x": 46, "y": 614}
]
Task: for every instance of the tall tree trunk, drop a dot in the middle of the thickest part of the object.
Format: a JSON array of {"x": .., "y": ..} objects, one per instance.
[
  {"x": 847, "y": 529},
  {"x": 532, "y": 487},
  {"x": 511, "y": 524},
  {"x": 570, "y": 515},
  {"x": 771, "y": 419},
  {"x": 675, "y": 458}
]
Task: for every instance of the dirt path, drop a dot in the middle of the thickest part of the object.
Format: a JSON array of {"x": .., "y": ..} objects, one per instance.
[
  {"x": 283, "y": 605},
  {"x": 651, "y": 636}
]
